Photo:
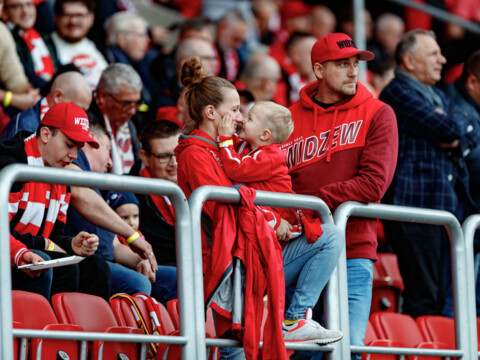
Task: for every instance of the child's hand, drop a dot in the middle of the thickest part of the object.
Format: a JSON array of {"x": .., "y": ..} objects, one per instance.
[
  {"x": 283, "y": 231},
  {"x": 227, "y": 125}
]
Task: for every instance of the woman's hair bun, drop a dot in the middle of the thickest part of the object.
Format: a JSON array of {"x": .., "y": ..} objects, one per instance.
[{"x": 192, "y": 72}]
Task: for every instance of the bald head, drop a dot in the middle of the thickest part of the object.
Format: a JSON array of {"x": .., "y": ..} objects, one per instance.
[
  {"x": 196, "y": 47},
  {"x": 71, "y": 86},
  {"x": 261, "y": 75}
]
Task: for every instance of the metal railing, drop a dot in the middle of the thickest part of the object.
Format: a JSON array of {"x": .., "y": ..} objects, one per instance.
[
  {"x": 231, "y": 195},
  {"x": 189, "y": 260},
  {"x": 462, "y": 276},
  {"x": 470, "y": 225},
  {"x": 20, "y": 172}
]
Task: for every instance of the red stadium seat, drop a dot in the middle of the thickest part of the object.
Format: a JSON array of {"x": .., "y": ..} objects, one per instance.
[
  {"x": 93, "y": 314},
  {"x": 387, "y": 284},
  {"x": 404, "y": 331},
  {"x": 398, "y": 327},
  {"x": 438, "y": 329},
  {"x": 33, "y": 311},
  {"x": 156, "y": 320},
  {"x": 18, "y": 343}
]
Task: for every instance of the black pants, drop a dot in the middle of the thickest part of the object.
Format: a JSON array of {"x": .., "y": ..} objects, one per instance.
[
  {"x": 421, "y": 251},
  {"x": 91, "y": 276}
]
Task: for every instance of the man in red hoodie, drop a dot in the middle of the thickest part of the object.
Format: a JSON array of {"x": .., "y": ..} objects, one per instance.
[{"x": 344, "y": 147}]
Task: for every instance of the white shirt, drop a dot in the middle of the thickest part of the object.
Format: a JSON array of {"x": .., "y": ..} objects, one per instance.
[{"x": 84, "y": 55}]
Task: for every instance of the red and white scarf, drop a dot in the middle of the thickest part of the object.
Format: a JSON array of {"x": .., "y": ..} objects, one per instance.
[
  {"x": 42, "y": 204},
  {"x": 42, "y": 60}
]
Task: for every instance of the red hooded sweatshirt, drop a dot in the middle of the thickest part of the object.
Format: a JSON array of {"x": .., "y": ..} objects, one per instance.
[
  {"x": 357, "y": 163},
  {"x": 199, "y": 164}
]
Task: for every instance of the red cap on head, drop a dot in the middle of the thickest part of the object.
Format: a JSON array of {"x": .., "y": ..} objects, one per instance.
[
  {"x": 337, "y": 46},
  {"x": 71, "y": 120}
]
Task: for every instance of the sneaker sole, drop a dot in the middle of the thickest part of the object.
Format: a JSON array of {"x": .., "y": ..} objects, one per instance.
[{"x": 316, "y": 341}]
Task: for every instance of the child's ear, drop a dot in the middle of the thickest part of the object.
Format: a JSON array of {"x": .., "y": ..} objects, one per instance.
[{"x": 266, "y": 135}]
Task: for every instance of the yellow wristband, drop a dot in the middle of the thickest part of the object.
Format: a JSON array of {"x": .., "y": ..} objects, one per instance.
[
  {"x": 51, "y": 245},
  {"x": 8, "y": 98},
  {"x": 132, "y": 237},
  {"x": 226, "y": 143}
]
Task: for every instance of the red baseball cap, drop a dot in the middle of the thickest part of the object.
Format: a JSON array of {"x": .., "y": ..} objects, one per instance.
[
  {"x": 71, "y": 120},
  {"x": 337, "y": 46}
]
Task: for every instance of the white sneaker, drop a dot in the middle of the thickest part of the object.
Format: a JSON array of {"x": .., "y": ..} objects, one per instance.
[{"x": 309, "y": 331}]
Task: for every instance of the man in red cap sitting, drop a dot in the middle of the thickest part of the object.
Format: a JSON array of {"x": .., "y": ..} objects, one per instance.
[
  {"x": 37, "y": 211},
  {"x": 344, "y": 147}
]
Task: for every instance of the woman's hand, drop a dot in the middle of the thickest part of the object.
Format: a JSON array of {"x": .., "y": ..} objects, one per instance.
[{"x": 227, "y": 125}]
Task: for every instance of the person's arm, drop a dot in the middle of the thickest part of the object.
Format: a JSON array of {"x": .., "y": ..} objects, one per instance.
[
  {"x": 244, "y": 169},
  {"x": 123, "y": 255},
  {"x": 21, "y": 101},
  {"x": 95, "y": 210},
  {"x": 418, "y": 118},
  {"x": 376, "y": 168},
  {"x": 12, "y": 75}
]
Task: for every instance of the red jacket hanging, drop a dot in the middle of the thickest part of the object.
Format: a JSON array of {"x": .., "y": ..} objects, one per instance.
[{"x": 241, "y": 232}]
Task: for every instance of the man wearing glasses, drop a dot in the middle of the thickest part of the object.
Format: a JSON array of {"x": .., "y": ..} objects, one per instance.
[
  {"x": 73, "y": 21},
  {"x": 159, "y": 139},
  {"x": 118, "y": 97}
]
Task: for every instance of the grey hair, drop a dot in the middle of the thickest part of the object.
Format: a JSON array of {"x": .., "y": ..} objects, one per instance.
[
  {"x": 121, "y": 22},
  {"x": 409, "y": 43},
  {"x": 116, "y": 75}
]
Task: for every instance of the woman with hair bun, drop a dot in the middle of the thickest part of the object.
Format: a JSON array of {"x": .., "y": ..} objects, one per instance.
[{"x": 209, "y": 99}]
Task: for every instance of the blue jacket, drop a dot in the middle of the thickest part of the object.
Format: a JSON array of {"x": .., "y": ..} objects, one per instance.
[
  {"x": 469, "y": 112},
  {"x": 427, "y": 175},
  {"x": 27, "y": 120}
]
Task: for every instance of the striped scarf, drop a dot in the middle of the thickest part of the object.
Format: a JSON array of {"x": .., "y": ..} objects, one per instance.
[{"x": 37, "y": 205}]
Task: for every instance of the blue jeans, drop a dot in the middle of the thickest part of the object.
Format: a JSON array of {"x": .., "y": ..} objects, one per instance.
[
  {"x": 359, "y": 279},
  {"x": 165, "y": 287},
  {"x": 309, "y": 266},
  {"x": 126, "y": 280}
]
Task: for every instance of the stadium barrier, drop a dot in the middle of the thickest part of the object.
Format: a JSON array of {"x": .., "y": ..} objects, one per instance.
[
  {"x": 187, "y": 222},
  {"x": 21, "y": 172},
  {"x": 462, "y": 277}
]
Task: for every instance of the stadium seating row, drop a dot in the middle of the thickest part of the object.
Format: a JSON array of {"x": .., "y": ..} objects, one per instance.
[
  {"x": 139, "y": 314},
  {"x": 400, "y": 330}
]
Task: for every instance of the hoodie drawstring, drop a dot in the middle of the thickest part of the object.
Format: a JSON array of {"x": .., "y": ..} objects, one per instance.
[{"x": 330, "y": 138}]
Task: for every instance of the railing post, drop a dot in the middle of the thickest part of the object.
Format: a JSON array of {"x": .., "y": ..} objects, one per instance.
[
  {"x": 23, "y": 172},
  {"x": 231, "y": 195},
  {"x": 460, "y": 269},
  {"x": 470, "y": 225}
]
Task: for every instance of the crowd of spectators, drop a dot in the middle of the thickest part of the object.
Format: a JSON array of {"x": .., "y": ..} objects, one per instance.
[{"x": 127, "y": 77}]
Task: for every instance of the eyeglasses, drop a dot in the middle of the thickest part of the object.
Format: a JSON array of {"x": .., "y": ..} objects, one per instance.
[
  {"x": 126, "y": 105},
  {"x": 163, "y": 158}
]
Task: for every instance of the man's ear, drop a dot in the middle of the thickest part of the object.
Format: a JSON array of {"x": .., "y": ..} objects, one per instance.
[
  {"x": 143, "y": 156},
  {"x": 56, "y": 97},
  {"x": 409, "y": 61},
  {"x": 319, "y": 70},
  {"x": 121, "y": 40},
  {"x": 100, "y": 97},
  {"x": 45, "y": 134},
  {"x": 471, "y": 83}
]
